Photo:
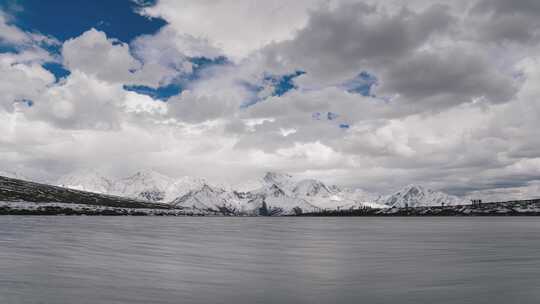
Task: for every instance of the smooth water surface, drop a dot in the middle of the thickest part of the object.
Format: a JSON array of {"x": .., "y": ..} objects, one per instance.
[{"x": 269, "y": 260}]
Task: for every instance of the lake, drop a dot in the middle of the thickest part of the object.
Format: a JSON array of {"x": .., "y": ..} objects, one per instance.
[{"x": 80, "y": 259}]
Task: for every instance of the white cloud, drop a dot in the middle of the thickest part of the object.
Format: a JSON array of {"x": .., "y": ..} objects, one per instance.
[
  {"x": 237, "y": 27},
  {"x": 81, "y": 102},
  {"x": 22, "y": 78},
  {"x": 94, "y": 54}
]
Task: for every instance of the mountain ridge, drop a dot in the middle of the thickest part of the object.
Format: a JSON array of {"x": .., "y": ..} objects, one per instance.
[{"x": 276, "y": 194}]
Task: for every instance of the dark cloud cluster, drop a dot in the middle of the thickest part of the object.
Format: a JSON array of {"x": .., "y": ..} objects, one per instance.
[{"x": 508, "y": 21}]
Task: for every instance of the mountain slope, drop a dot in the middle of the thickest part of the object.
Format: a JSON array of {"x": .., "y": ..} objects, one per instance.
[
  {"x": 146, "y": 185},
  {"x": 274, "y": 194},
  {"x": 208, "y": 198},
  {"x": 14, "y": 190},
  {"x": 182, "y": 186},
  {"x": 143, "y": 185},
  {"x": 90, "y": 181},
  {"x": 418, "y": 196},
  {"x": 284, "y": 194}
]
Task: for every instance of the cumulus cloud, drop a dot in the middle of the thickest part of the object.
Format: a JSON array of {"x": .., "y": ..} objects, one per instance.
[
  {"x": 81, "y": 102},
  {"x": 23, "y": 68},
  {"x": 95, "y": 54},
  {"x": 237, "y": 27},
  {"x": 338, "y": 43},
  {"x": 166, "y": 55}
]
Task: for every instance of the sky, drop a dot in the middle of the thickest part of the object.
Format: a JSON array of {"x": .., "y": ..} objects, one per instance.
[{"x": 361, "y": 93}]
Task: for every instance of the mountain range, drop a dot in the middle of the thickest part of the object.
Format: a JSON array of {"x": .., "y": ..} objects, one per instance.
[{"x": 274, "y": 194}]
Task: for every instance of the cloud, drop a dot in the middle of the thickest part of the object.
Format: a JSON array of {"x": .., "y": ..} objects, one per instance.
[
  {"x": 22, "y": 68},
  {"x": 12, "y": 35},
  {"x": 337, "y": 44},
  {"x": 192, "y": 108},
  {"x": 504, "y": 21},
  {"x": 81, "y": 102},
  {"x": 237, "y": 27},
  {"x": 445, "y": 78},
  {"x": 438, "y": 93},
  {"x": 94, "y": 54},
  {"x": 166, "y": 55}
]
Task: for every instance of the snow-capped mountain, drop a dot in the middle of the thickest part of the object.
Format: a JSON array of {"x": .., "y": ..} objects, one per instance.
[
  {"x": 274, "y": 194},
  {"x": 332, "y": 197},
  {"x": 277, "y": 204},
  {"x": 272, "y": 197},
  {"x": 91, "y": 181},
  {"x": 146, "y": 185},
  {"x": 182, "y": 186},
  {"x": 416, "y": 196},
  {"x": 276, "y": 197},
  {"x": 311, "y": 187},
  {"x": 364, "y": 198},
  {"x": 209, "y": 198},
  {"x": 284, "y": 181},
  {"x": 283, "y": 194}
]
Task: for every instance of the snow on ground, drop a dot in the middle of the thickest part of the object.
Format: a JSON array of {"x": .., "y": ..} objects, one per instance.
[{"x": 42, "y": 206}]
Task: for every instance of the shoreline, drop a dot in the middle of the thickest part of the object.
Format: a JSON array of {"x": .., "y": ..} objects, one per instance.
[{"x": 511, "y": 208}]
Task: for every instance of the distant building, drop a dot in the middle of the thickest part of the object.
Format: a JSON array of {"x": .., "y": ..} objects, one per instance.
[{"x": 476, "y": 202}]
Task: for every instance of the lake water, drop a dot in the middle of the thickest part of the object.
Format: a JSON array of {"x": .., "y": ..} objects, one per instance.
[{"x": 269, "y": 260}]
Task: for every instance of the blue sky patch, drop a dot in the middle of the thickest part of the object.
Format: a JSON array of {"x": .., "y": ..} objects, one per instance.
[
  {"x": 65, "y": 19},
  {"x": 253, "y": 89},
  {"x": 57, "y": 69},
  {"x": 283, "y": 83},
  {"x": 280, "y": 85},
  {"x": 202, "y": 63},
  {"x": 8, "y": 48},
  {"x": 361, "y": 84},
  {"x": 165, "y": 92},
  {"x": 160, "y": 93}
]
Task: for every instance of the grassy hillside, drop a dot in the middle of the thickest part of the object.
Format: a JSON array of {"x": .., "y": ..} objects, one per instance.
[{"x": 19, "y": 190}]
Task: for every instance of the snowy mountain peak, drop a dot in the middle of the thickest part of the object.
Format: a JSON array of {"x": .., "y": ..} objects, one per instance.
[
  {"x": 414, "y": 192},
  {"x": 208, "y": 198},
  {"x": 413, "y": 187},
  {"x": 417, "y": 195},
  {"x": 209, "y": 189},
  {"x": 148, "y": 177},
  {"x": 311, "y": 187},
  {"x": 182, "y": 186},
  {"x": 277, "y": 178},
  {"x": 275, "y": 191},
  {"x": 90, "y": 180},
  {"x": 148, "y": 185}
]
